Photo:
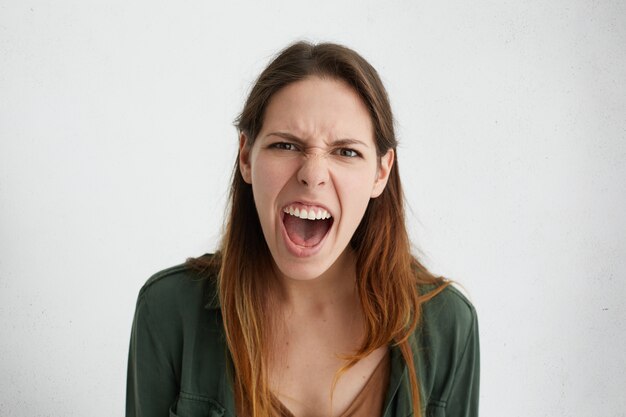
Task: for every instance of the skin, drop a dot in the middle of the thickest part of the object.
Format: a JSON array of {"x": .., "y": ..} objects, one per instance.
[{"x": 316, "y": 145}]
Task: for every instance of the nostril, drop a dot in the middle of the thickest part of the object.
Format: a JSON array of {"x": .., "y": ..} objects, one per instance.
[{"x": 311, "y": 176}]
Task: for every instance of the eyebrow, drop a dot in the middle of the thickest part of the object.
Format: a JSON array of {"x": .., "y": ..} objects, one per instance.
[{"x": 338, "y": 142}]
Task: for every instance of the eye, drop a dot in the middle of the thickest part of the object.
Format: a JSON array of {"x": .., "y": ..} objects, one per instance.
[
  {"x": 285, "y": 146},
  {"x": 348, "y": 153}
]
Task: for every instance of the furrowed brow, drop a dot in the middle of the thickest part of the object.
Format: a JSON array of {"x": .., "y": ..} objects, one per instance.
[
  {"x": 348, "y": 141},
  {"x": 287, "y": 136},
  {"x": 338, "y": 142}
]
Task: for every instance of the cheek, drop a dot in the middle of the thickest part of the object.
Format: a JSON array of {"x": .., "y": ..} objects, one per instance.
[
  {"x": 268, "y": 178},
  {"x": 357, "y": 181},
  {"x": 354, "y": 188}
]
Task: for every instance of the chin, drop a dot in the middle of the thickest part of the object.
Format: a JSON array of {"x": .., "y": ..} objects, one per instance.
[
  {"x": 302, "y": 271},
  {"x": 307, "y": 269}
]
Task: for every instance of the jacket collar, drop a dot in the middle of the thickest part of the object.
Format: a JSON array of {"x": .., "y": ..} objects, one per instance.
[{"x": 398, "y": 398}]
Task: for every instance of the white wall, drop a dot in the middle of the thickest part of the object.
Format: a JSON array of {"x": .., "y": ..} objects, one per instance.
[{"x": 116, "y": 144}]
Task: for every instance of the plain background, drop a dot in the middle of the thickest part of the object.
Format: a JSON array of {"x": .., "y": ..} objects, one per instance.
[{"x": 117, "y": 146}]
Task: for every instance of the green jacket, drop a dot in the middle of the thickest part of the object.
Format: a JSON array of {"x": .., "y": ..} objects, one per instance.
[{"x": 177, "y": 364}]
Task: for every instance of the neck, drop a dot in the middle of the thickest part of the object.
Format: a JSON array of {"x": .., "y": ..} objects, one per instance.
[{"x": 331, "y": 293}]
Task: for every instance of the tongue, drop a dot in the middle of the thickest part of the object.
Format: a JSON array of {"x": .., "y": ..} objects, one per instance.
[{"x": 306, "y": 232}]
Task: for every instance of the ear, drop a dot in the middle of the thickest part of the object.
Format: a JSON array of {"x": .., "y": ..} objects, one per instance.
[
  {"x": 244, "y": 158},
  {"x": 382, "y": 175}
]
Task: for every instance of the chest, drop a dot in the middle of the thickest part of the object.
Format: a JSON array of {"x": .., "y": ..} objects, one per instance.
[{"x": 302, "y": 379}]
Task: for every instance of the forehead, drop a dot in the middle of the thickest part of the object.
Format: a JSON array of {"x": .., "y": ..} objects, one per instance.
[{"x": 319, "y": 108}]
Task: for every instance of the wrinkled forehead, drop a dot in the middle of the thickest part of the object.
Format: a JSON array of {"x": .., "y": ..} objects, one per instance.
[{"x": 319, "y": 109}]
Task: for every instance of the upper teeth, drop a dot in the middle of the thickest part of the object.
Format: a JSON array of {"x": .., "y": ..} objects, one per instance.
[{"x": 311, "y": 214}]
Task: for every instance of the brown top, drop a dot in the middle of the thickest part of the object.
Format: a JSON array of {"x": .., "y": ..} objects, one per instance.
[{"x": 369, "y": 402}]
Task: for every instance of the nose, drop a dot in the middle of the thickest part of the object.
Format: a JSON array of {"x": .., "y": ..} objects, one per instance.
[{"x": 314, "y": 171}]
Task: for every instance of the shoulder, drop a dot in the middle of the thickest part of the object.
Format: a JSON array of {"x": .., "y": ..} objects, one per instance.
[
  {"x": 448, "y": 321},
  {"x": 177, "y": 290},
  {"x": 450, "y": 309},
  {"x": 448, "y": 345},
  {"x": 177, "y": 342}
]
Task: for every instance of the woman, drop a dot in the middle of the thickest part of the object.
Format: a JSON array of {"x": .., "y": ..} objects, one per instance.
[{"x": 313, "y": 305}]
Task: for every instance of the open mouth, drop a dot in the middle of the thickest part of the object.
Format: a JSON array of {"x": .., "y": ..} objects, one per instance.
[{"x": 306, "y": 227}]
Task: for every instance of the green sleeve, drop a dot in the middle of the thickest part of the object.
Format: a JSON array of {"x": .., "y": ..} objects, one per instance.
[
  {"x": 151, "y": 384},
  {"x": 463, "y": 395}
]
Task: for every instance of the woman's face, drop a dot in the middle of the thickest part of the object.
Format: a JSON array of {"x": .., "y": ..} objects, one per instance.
[{"x": 315, "y": 157}]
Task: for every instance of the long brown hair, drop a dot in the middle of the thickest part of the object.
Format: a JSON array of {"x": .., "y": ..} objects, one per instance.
[{"x": 388, "y": 275}]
